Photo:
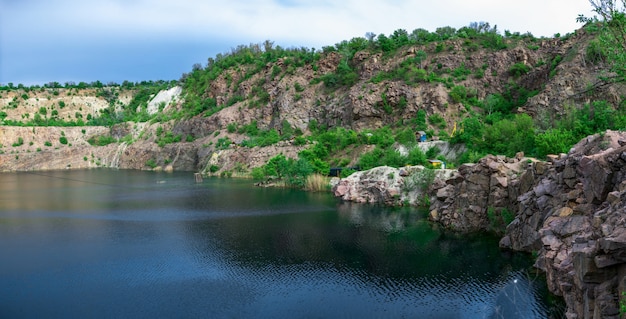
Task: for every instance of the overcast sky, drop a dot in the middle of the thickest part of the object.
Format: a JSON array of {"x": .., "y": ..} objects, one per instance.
[{"x": 116, "y": 40}]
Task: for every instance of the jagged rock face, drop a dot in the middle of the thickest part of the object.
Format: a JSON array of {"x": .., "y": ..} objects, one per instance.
[
  {"x": 296, "y": 95},
  {"x": 463, "y": 201},
  {"x": 40, "y": 148},
  {"x": 575, "y": 219},
  {"x": 35, "y": 154},
  {"x": 571, "y": 212}
]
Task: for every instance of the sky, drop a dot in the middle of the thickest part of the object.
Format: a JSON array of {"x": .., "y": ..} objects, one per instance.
[{"x": 42, "y": 41}]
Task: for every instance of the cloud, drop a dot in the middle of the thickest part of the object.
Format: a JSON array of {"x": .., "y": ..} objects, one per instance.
[
  {"x": 308, "y": 20},
  {"x": 41, "y": 30}
]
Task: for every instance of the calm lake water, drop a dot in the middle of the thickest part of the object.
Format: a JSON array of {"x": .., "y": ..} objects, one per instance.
[{"x": 112, "y": 244}]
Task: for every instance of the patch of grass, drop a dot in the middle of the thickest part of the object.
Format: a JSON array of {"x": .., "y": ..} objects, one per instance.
[
  {"x": 168, "y": 138},
  {"x": 223, "y": 143},
  {"x": 498, "y": 221},
  {"x": 437, "y": 120},
  {"x": 20, "y": 142},
  {"x": 518, "y": 69},
  {"x": 151, "y": 163},
  {"x": 317, "y": 183},
  {"x": 101, "y": 140}
]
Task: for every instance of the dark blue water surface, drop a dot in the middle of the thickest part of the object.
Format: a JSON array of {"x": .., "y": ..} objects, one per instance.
[{"x": 111, "y": 244}]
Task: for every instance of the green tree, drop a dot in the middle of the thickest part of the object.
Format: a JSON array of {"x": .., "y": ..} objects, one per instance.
[
  {"x": 276, "y": 166},
  {"x": 470, "y": 133},
  {"x": 612, "y": 36},
  {"x": 554, "y": 141},
  {"x": 508, "y": 137}
]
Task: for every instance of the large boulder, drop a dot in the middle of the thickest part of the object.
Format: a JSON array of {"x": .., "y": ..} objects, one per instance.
[{"x": 388, "y": 185}]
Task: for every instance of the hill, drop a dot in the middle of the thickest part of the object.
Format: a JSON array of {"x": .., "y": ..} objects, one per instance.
[{"x": 351, "y": 104}]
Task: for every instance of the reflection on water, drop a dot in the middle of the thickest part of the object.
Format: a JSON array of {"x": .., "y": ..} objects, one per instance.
[{"x": 107, "y": 243}]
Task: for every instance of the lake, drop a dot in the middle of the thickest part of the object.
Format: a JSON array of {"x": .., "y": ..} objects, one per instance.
[{"x": 121, "y": 243}]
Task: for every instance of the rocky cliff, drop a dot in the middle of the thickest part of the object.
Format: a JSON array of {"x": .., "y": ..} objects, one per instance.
[
  {"x": 482, "y": 196},
  {"x": 574, "y": 217},
  {"x": 570, "y": 212},
  {"x": 558, "y": 70}
]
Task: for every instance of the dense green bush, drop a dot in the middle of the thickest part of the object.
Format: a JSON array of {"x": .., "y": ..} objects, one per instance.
[
  {"x": 292, "y": 172},
  {"x": 262, "y": 138},
  {"x": 391, "y": 157},
  {"x": 405, "y": 136},
  {"x": 344, "y": 75},
  {"x": 101, "y": 140},
  {"x": 151, "y": 163},
  {"x": 223, "y": 143},
  {"x": 20, "y": 142},
  {"x": 497, "y": 133},
  {"x": 382, "y": 137},
  {"x": 518, "y": 69},
  {"x": 417, "y": 157},
  {"x": 554, "y": 141},
  {"x": 595, "y": 52},
  {"x": 437, "y": 120},
  {"x": 509, "y": 136},
  {"x": 168, "y": 138},
  {"x": 458, "y": 93}
]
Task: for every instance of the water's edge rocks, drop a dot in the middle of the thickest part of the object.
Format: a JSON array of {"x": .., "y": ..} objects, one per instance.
[
  {"x": 574, "y": 219},
  {"x": 388, "y": 185},
  {"x": 569, "y": 211}
]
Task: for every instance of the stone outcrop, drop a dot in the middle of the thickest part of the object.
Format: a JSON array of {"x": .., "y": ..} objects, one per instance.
[
  {"x": 41, "y": 149},
  {"x": 388, "y": 185},
  {"x": 574, "y": 218},
  {"x": 570, "y": 212},
  {"x": 163, "y": 99},
  {"x": 481, "y": 196}
]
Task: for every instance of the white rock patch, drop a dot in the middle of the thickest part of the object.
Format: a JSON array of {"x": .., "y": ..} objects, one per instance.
[{"x": 164, "y": 96}]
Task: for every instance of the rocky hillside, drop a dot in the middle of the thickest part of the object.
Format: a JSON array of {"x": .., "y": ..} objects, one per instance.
[
  {"x": 57, "y": 103},
  {"x": 437, "y": 83},
  {"x": 557, "y": 69}
]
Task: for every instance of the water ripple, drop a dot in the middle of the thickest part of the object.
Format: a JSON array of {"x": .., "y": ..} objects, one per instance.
[{"x": 225, "y": 250}]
